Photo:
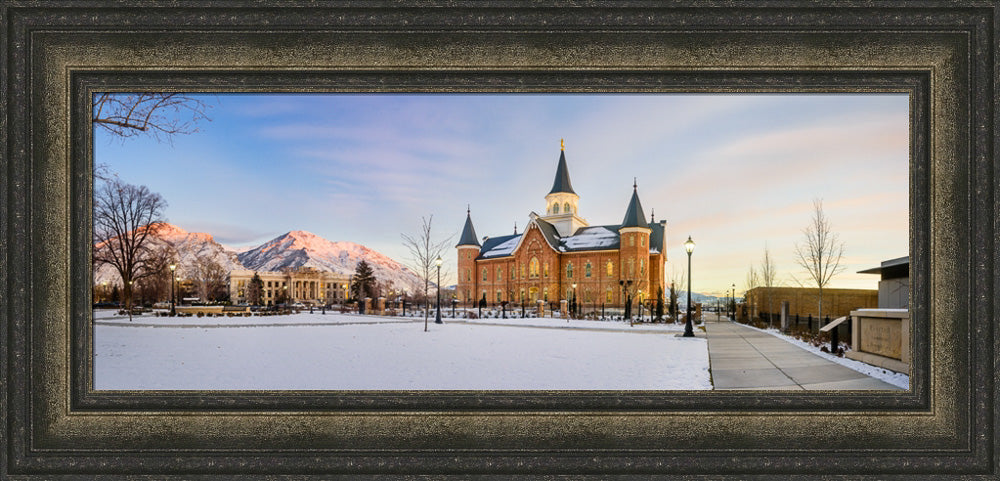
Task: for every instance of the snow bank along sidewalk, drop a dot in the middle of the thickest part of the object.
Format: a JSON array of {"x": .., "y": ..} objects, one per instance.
[{"x": 746, "y": 358}]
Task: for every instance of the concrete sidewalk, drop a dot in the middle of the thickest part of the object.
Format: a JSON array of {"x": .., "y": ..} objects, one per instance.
[{"x": 744, "y": 358}]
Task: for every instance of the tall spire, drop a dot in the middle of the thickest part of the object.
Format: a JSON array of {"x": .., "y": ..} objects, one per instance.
[
  {"x": 468, "y": 232},
  {"x": 562, "y": 183},
  {"x": 634, "y": 216}
]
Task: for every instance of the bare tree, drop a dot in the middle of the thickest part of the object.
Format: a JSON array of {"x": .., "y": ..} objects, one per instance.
[
  {"x": 821, "y": 252},
  {"x": 126, "y": 218},
  {"x": 210, "y": 278},
  {"x": 156, "y": 113},
  {"x": 675, "y": 281},
  {"x": 768, "y": 280},
  {"x": 424, "y": 250},
  {"x": 752, "y": 282}
]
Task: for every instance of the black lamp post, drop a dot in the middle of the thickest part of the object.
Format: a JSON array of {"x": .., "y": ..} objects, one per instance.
[
  {"x": 732, "y": 303},
  {"x": 437, "y": 317},
  {"x": 572, "y": 307},
  {"x": 640, "y": 305},
  {"x": 627, "y": 299},
  {"x": 688, "y": 330},
  {"x": 172, "y": 310}
]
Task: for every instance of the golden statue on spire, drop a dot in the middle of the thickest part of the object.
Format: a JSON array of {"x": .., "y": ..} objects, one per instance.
[{"x": 562, "y": 144}]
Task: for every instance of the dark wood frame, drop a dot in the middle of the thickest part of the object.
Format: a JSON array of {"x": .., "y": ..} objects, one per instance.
[{"x": 56, "y": 53}]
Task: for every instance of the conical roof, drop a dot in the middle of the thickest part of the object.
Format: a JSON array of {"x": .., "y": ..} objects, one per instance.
[
  {"x": 634, "y": 217},
  {"x": 468, "y": 233},
  {"x": 562, "y": 183}
]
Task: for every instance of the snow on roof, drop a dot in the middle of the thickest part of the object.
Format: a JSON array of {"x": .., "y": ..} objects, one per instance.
[
  {"x": 591, "y": 238},
  {"x": 503, "y": 249}
]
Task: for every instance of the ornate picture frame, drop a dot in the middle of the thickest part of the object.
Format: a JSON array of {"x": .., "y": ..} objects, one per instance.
[{"x": 57, "y": 54}]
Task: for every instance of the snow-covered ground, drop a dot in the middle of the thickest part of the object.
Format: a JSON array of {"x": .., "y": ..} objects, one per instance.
[
  {"x": 342, "y": 351},
  {"x": 891, "y": 377}
]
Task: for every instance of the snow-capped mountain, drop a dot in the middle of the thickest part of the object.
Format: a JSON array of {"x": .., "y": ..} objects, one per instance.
[
  {"x": 301, "y": 248},
  {"x": 186, "y": 247},
  {"x": 294, "y": 249}
]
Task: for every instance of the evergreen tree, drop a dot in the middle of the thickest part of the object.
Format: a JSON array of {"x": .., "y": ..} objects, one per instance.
[
  {"x": 659, "y": 303},
  {"x": 255, "y": 290},
  {"x": 364, "y": 282}
]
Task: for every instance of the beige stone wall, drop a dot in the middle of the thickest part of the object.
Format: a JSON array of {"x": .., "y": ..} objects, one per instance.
[
  {"x": 805, "y": 301},
  {"x": 297, "y": 285}
]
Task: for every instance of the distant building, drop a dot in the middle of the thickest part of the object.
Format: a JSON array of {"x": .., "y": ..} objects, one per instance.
[
  {"x": 298, "y": 284},
  {"x": 560, "y": 249},
  {"x": 804, "y": 301},
  {"x": 894, "y": 285}
]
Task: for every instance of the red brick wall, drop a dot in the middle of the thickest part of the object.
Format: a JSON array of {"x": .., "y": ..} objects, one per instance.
[{"x": 591, "y": 291}]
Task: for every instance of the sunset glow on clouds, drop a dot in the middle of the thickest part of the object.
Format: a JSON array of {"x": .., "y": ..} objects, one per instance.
[{"x": 736, "y": 172}]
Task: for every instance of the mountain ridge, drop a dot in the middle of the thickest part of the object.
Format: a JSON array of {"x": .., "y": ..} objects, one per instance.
[{"x": 297, "y": 248}]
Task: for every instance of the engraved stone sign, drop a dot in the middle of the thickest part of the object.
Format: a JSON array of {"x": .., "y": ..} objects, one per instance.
[{"x": 881, "y": 336}]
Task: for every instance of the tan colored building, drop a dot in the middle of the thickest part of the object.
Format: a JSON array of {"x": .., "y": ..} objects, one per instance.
[
  {"x": 307, "y": 285},
  {"x": 804, "y": 301},
  {"x": 560, "y": 255}
]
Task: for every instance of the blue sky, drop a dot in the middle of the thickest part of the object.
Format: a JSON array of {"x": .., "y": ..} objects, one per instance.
[{"x": 736, "y": 172}]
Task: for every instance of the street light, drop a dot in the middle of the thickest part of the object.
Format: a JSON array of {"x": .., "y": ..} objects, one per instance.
[
  {"x": 437, "y": 317},
  {"x": 733, "y": 303},
  {"x": 640, "y": 305},
  {"x": 172, "y": 310},
  {"x": 572, "y": 307},
  {"x": 688, "y": 330}
]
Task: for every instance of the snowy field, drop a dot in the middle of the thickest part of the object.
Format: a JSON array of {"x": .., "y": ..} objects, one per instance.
[{"x": 340, "y": 351}]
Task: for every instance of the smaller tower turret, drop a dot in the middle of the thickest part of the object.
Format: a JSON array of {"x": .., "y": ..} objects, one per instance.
[{"x": 468, "y": 250}]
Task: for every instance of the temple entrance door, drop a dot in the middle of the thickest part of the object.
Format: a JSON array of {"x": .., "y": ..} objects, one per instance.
[{"x": 533, "y": 294}]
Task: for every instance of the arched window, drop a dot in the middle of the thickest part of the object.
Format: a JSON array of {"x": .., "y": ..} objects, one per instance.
[
  {"x": 555, "y": 208},
  {"x": 566, "y": 208},
  {"x": 642, "y": 241},
  {"x": 611, "y": 269},
  {"x": 499, "y": 296},
  {"x": 468, "y": 274},
  {"x": 533, "y": 267},
  {"x": 631, "y": 268},
  {"x": 545, "y": 269},
  {"x": 523, "y": 271},
  {"x": 499, "y": 273},
  {"x": 631, "y": 241},
  {"x": 642, "y": 266},
  {"x": 545, "y": 294},
  {"x": 609, "y": 296},
  {"x": 588, "y": 269},
  {"x": 484, "y": 274},
  {"x": 569, "y": 270}
]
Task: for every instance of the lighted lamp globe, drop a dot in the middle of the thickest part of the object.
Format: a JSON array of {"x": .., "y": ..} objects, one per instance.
[
  {"x": 438, "y": 261},
  {"x": 689, "y": 245}
]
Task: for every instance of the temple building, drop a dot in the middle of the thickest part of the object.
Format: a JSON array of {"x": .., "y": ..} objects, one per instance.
[
  {"x": 307, "y": 285},
  {"x": 559, "y": 255}
]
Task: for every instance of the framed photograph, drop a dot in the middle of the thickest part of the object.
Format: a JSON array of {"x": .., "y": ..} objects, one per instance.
[
  {"x": 576, "y": 296},
  {"x": 249, "y": 341}
]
